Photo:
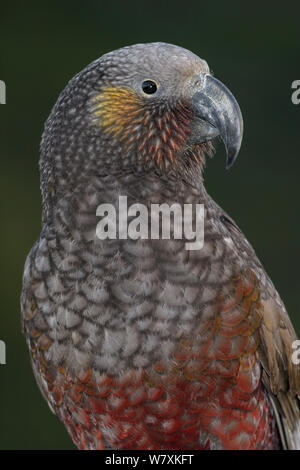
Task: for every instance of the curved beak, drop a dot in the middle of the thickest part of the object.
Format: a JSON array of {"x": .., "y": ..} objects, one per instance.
[{"x": 219, "y": 114}]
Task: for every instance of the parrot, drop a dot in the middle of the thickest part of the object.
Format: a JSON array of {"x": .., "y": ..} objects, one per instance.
[{"x": 139, "y": 343}]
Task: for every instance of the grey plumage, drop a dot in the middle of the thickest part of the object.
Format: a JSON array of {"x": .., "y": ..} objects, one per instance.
[{"x": 110, "y": 306}]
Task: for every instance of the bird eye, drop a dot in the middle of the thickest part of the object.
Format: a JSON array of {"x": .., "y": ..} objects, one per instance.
[{"x": 149, "y": 87}]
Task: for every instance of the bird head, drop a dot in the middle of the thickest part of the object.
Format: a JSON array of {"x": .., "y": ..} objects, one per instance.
[{"x": 144, "y": 106}]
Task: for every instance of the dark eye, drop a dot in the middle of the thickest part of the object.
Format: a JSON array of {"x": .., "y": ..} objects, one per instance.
[{"x": 149, "y": 87}]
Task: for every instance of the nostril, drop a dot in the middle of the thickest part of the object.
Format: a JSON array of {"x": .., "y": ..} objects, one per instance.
[{"x": 199, "y": 79}]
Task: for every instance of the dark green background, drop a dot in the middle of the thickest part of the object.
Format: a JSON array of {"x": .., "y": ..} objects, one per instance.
[{"x": 254, "y": 49}]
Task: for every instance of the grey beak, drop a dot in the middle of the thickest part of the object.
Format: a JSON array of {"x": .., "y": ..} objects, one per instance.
[{"x": 219, "y": 114}]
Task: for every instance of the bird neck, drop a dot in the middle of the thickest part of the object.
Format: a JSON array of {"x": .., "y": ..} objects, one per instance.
[
  {"x": 61, "y": 189},
  {"x": 74, "y": 211}
]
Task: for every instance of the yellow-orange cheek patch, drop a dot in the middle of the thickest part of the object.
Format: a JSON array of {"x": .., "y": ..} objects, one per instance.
[{"x": 116, "y": 108}]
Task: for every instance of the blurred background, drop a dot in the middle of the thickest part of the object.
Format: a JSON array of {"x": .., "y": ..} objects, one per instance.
[{"x": 254, "y": 51}]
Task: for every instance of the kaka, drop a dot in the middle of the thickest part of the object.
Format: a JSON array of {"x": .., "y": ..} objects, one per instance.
[{"x": 140, "y": 343}]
